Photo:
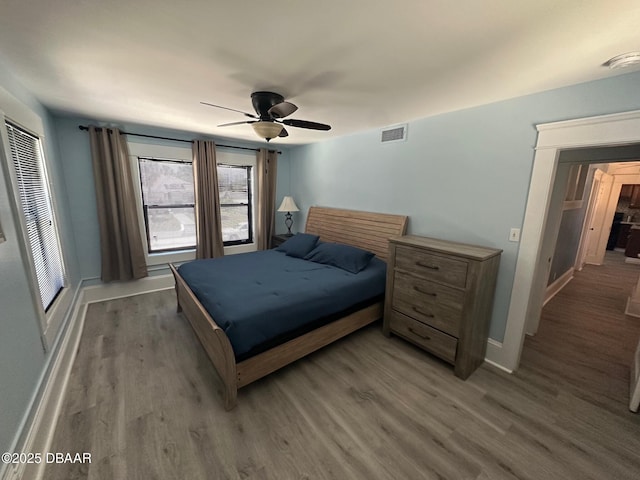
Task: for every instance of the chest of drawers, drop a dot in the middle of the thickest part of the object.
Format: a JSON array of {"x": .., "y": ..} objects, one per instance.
[{"x": 440, "y": 296}]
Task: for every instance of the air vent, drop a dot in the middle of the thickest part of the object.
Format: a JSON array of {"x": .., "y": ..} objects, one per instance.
[{"x": 397, "y": 133}]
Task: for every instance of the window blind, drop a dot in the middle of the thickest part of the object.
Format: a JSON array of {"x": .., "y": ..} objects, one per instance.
[{"x": 35, "y": 202}]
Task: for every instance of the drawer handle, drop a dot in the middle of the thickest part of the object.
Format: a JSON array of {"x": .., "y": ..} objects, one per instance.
[
  {"x": 427, "y": 265},
  {"x": 424, "y": 292},
  {"x": 428, "y": 315},
  {"x": 425, "y": 337}
]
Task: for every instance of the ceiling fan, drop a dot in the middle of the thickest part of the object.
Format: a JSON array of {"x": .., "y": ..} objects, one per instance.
[{"x": 270, "y": 109}]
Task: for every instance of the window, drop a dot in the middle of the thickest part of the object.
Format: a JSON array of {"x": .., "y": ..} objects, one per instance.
[
  {"x": 36, "y": 207},
  {"x": 168, "y": 204},
  {"x": 576, "y": 182},
  {"x": 234, "y": 182}
]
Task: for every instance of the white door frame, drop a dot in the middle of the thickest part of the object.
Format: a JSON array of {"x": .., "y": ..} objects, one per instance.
[{"x": 616, "y": 129}]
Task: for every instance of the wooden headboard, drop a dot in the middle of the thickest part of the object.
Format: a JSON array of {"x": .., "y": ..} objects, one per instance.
[{"x": 366, "y": 230}]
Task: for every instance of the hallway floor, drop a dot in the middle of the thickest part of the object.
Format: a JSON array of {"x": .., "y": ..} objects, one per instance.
[{"x": 585, "y": 340}]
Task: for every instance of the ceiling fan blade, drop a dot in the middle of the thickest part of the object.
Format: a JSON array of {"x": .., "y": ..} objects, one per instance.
[
  {"x": 284, "y": 133},
  {"x": 237, "y": 123},
  {"x": 282, "y": 109},
  {"x": 306, "y": 124},
  {"x": 250, "y": 115}
]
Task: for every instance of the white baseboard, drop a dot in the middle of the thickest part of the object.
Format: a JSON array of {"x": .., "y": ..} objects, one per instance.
[
  {"x": 558, "y": 285},
  {"x": 633, "y": 307},
  {"x": 634, "y": 382},
  {"x": 494, "y": 355},
  {"x": 8, "y": 472},
  {"x": 42, "y": 424},
  {"x": 46, "y": 406},
  {"x": 109, "y": 291}
]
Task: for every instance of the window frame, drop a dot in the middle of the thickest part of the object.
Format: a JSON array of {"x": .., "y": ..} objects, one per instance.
[
  {"x": 35, "y": 217},
  {"x": 250, "y": 204},
  {"x": 14, "y": 111},
  {"x": 145, "y": 212},
  {"x": 576, "y": 186}
]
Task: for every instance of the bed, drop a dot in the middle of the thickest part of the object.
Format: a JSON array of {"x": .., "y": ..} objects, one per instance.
[{"x": 256, "y": 354}]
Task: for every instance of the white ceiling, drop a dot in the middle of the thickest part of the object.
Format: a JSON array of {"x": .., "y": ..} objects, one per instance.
[{"x": 355, "y": 64}]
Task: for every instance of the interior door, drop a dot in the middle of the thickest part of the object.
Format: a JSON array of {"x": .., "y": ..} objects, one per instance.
[
  {"x": 587, "y": 231},
  {"x": 599, "y": 228}
]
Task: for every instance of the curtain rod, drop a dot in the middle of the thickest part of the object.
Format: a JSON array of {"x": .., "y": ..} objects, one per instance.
[{"x": 84, "y": 127}]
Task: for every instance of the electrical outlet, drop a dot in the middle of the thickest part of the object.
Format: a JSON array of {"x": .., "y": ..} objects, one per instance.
[{"x": 514, "y": 235}]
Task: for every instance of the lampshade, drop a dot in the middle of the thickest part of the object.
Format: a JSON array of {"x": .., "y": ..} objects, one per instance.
[
  {"x": 288, "y": 205},
  {"x": 267, "y": 130}
]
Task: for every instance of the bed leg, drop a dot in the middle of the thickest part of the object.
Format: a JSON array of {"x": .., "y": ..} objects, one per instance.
[
  {"x": 386, "y": 331},
  {"x": 230, "y": 397},
  {"x": 178, "y": 306}
]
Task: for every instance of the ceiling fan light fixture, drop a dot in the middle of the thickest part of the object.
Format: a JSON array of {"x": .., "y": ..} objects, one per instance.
[
  {"x": 267, "y": 130},
  {"x": 624, "y": 60}
]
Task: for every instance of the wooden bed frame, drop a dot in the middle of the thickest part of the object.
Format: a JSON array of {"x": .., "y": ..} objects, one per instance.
[{"x": 369, "y": 231}]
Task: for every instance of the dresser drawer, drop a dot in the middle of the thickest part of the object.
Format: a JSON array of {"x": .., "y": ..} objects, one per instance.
[
  {"x": 431, "y": 303},
  {"x": 437, "y": 342},
  {"x": 432, "y": 267}
]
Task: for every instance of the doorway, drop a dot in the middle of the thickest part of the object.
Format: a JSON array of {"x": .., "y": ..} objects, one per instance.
[
  {"x": 605, "y": 208},
  {"x": 574, "y": 140}
]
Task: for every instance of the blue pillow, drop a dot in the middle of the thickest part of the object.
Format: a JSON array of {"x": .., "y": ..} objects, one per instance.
[
  {"x": 299, "y": 245},
  {"x": 348, "y": 258}
]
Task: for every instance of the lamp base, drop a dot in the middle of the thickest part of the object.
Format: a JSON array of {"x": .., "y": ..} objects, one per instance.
[{"x": 288, "y": 221}]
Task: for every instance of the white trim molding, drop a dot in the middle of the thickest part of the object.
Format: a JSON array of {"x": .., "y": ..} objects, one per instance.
[
  {"x": 633, "y": 302},
  {"x": 634, "y": 382},
  {"x": 109, "y": 291},
  {"x": 494, "y": 351},
  {"x": 529, "y": 282},
  {"x": 558, "y": 285},
  {"x": 633, "y": 307},
  {"x": 42, "y": 428}
]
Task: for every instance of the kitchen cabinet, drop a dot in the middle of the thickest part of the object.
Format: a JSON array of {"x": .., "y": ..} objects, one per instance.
[
  {"x": 626, "y": 191},
  {"x": 630, "y": 193},
  {"x": 635, "y": 197},
  {"x": 623, "y": 236},
  {"x": 633, "y": 244}
]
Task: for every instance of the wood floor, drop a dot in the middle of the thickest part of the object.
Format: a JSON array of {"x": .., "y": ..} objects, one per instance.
[
  {"x": 585, "y": 341},
  {"x": 144, "y": 400}
]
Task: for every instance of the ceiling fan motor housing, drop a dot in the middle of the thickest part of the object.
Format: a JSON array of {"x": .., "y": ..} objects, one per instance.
[{"x": 263, "y": 101}]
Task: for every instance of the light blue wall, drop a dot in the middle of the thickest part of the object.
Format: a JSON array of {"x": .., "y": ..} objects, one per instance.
[
  {"x": 564, "y": 255},
  {"x": 74, "y": 148},
  {"x": 23, "y": 361},
  {"x": 568, "y": 241},
  {"x": 461, "y": 176}
]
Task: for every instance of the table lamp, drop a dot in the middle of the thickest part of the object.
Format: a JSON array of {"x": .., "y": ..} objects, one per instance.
[{"x": 288, "y": 205}]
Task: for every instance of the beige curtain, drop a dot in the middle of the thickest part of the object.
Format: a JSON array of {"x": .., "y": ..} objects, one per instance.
[
  {"x": 207, "y": 197},
  {"x": 120, "y": 239},
  {"x": 267, "y": 166}
]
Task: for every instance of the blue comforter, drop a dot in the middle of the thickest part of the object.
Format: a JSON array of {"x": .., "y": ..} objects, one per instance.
[{"x": 260, "y": 296}]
